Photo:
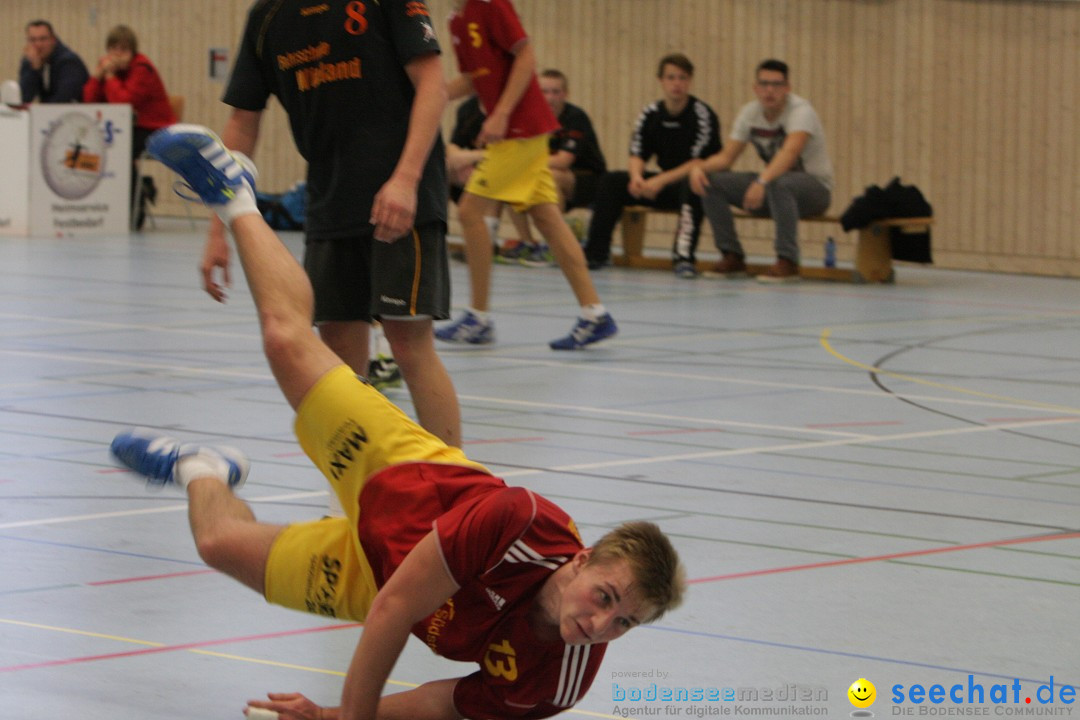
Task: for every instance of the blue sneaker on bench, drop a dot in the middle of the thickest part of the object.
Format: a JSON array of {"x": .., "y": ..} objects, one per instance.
[
  {"x": 586, "y": 332},
  {"x": 155, "y": 456},
  {"x": 213, "y": 172}
]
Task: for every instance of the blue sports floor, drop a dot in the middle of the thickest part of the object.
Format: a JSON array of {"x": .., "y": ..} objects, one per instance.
[{"x": 877, "y": 482}]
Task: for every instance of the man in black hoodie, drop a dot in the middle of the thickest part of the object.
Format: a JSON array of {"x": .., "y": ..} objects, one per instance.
[{"x": 50, "y": 71}]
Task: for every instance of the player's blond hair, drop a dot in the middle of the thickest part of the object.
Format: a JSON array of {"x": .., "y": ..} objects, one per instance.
[{"x": 659, "y": 577}]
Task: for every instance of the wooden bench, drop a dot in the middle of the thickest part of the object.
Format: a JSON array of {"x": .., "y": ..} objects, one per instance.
[{"x": 873, "y": 250}]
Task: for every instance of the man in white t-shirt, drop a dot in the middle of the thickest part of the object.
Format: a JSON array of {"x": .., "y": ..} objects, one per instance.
[{"x": 796, "y": 182}]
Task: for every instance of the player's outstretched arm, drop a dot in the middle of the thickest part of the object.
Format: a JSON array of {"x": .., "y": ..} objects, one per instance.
[
  {"x": 431, "y": 701},
  {"x": 417, "y": 588}
]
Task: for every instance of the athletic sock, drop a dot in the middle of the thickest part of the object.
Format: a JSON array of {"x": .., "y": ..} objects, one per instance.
[
  {"x": 205, "y": 463},
  {"x": 481, "y": 315},
  {"x": 593, "y": 312}
]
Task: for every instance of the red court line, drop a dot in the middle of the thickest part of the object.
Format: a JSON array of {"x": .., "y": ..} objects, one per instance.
[
  {"x": 172, "y": 648},
  {"x": 151, "y": 577},
  {"x": 890, "y": 556}
]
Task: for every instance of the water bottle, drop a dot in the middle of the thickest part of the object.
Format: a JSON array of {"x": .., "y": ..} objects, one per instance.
[{"x": 830, "y": 253}]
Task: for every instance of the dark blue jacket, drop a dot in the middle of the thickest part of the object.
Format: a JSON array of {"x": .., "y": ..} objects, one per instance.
[{"x": 60, "y": 79}]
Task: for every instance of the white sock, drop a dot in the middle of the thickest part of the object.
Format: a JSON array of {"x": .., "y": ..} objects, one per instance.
[
  {"x": 244, "y": 201},
  {"x": 593, "y": 312},
  {"x": 481, "y": 315},
  {"x": 205, "y": 463},
  {"x": 243, "y": 204},
  {"x": 493, "y": 227}
]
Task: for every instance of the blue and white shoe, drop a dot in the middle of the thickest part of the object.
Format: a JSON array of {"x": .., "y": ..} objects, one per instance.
[
  {"x": 468, "y": 329},
  {"x": 213, "y": 172},
  {"x": 155, "y": 456},
  {"x": 586, "y": 332}
]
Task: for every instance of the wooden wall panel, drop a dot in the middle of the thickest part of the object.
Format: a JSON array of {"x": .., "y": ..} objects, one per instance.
[{"x": 976, "y": 101}]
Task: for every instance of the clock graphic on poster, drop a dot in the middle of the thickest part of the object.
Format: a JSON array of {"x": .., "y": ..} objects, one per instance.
[{"x": 73, "y": 155}]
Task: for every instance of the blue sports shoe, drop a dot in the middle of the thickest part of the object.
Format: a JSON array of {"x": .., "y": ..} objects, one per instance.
[
  {"x": 155, "y": 456},
  {"x": 469, "y": 330},
  {"x": 586, "y": 332},
  {"x": 210, "y": 170}
]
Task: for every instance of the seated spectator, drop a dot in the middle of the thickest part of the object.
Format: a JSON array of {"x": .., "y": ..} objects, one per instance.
[
  {"x": 678, "y": 130},
  {"x": 576, "y": 160},
  {"x": 124, "y": 75},
  {"x": 50, "y": 72},
  {"x": 796, "y": 182}
]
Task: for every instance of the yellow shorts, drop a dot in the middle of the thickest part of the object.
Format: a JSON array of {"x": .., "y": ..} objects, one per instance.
[
  {"x": 350, "y": 431},
  {"x": 515, "y": 172}
]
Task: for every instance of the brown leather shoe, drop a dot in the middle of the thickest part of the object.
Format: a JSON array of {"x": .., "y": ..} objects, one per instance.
[
  {"x": 782, "y": 271},
  {"x": 731, "y": 265}
]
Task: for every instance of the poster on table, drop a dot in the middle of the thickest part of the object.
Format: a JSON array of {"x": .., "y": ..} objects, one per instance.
[
  {"x": 80, "y": 169},
  {"x": 15, "y": 169}
]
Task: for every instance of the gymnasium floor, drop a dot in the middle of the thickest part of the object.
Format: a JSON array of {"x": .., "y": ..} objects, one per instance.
[{"x": 864, "y": 482}]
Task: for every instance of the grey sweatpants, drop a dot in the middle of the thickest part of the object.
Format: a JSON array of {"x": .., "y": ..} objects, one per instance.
[{"x": 789, "y": 197}]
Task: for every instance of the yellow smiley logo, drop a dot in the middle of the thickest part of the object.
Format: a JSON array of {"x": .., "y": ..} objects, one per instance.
[{"x": 862, "y": 693}]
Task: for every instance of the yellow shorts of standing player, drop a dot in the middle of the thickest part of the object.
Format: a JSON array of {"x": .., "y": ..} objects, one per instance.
[
  {"x": 350, "y": 431},
  {"x": 515, "y": 172}
]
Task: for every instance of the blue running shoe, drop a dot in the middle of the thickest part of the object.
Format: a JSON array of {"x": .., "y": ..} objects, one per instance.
[
  {"x": 210, "y": 170},
  {"x": 586, "y": 332},
  {"x": 155, "y": 456},
  {"x": 468, "y": 329}
]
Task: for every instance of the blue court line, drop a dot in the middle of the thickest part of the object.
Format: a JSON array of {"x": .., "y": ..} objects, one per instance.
[
  {"x": 856, "y": 656},
  {"x": 44, "y": 588},
  {"x": 102, "y": 550}
]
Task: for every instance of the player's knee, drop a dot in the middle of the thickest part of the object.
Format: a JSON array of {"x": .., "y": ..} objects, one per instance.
[
  {"x": 217, "y": 548},
  {"x": 282, "y": 339}
]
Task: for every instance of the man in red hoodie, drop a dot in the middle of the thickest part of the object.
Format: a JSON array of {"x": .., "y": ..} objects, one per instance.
[{"x": 124, "y": 75}]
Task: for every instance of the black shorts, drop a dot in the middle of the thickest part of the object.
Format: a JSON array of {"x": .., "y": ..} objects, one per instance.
[
  {"x": 585, "y": 184},
  {"x": 360, "y": 278}
]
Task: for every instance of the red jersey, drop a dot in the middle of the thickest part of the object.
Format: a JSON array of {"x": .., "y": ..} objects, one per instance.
[
  {"x": 484, "y": 33},
  {"x": 499, "y": 544},
  {"x": 140, "y": 86}
]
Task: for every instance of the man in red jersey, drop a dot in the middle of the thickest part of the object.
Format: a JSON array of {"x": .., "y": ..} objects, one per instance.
[
  {"x": 498, "y": 64},
  {"x": 432, "y": 544}
]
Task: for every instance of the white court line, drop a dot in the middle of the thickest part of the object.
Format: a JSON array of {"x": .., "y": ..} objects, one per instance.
[
  {"x": 607, "y": 368},
  {"x": 38, "y": 321},
  {"x": 764, "y": 449},
  {"x": 658, "y": 416},
  {"x": 810, "y": 445},
  {"x": 151, "y": 511}
]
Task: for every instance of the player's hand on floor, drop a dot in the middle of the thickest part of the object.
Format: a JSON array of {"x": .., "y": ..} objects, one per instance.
[{"x": 288, "y": 706}]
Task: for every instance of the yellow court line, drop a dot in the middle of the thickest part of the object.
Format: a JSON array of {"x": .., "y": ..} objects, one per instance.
[
  {"x": 240, "y": 658},
  {"x": 71, "y": 631},
  {"x": 827, "y": 333}
]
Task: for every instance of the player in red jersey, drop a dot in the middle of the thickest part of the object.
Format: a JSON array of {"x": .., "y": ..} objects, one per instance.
[
  {"x": 432, "y": 544},
  {"x": 498, "y": 63}
]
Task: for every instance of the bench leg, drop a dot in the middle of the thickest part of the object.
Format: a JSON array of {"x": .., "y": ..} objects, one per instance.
[
  {"x": 873, "y": 255},
  {"x": 633, "y": 237}
]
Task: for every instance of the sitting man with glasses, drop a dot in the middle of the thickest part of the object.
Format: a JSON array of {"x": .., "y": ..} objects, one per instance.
[{"x": 796, "y": 182}]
